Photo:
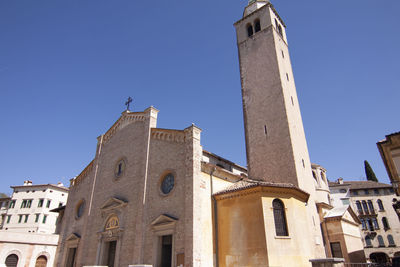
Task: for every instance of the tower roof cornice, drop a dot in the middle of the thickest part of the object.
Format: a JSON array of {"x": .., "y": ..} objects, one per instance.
[{"x": 267, "y": 4}]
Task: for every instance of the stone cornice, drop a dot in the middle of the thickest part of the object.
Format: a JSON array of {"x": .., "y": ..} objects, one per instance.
[
  {"x": 169, "y": 135},
  {"x": 77, "y": 180},
  {"x": 258, "y": 188}
]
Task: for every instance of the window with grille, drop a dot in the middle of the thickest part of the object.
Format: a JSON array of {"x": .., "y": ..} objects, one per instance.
[
  {"x": 280, "y": 218},
  {"x": 371, "y": 207}
]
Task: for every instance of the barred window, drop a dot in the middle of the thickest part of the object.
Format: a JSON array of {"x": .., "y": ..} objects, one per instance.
[{"x": 280, "y": 218}]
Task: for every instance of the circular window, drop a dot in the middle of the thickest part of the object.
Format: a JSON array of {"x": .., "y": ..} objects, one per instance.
[
  {"x": 119, "y": 168},
  {"x": 167, "y": 183},
  {"x": 80, "y": 208}
]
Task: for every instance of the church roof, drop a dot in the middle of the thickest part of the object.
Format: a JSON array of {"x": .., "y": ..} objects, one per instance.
[{"x": 248, "y": 183}]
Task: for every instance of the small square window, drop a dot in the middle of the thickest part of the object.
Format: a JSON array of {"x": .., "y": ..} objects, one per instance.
[{"x": 366, "y": 191}]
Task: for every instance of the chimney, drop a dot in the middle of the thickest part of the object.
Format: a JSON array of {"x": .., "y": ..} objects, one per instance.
[
  {"x": 27, "y": 182},
  {"x": 60, "y": 184},
  {"x": 340, "y": 180}
]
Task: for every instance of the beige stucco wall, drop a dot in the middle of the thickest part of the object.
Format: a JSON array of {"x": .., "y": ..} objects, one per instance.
[{"x": 246, "y": 231}]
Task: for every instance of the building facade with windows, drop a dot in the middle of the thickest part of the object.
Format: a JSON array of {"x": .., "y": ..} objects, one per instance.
[
  {"x": 4, "y": 202},
  {"x": 27, "y": 237},
  {"x": 373, "y": 204}
]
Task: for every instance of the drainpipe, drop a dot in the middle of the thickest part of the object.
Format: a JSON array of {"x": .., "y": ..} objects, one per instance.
[{"x": 215, "y": 211}]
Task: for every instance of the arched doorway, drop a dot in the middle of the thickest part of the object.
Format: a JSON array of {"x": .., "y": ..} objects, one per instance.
[
  {"x": 379, "y": 257},
  {"x": 41, "y": 261},
  {"x": 12, "y": 260}
]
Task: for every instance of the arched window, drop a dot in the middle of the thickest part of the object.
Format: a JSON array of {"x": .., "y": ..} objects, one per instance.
[
  {"x": 280, "y": 218},
  {"x": 368, "y": 242},
  {"x": 391, "y": 241},
  {"x": 363, "y": 223},
  {"x": 257, "y": 25},
  {"x": 371, "y": 207},
  {"x": 380, "y": 204},
  {"x": 11, "y": 260},
  {"x": 249, "y": 30},
  {"x": 41, "y": 261},
  {"x": 385, "y": 223},
  {"x": 380, "y": 241}
]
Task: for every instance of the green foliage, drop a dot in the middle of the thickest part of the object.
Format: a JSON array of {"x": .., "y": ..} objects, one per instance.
[
  {"x": 2, "y": 195},
  {"x": 369, "y": 172}
]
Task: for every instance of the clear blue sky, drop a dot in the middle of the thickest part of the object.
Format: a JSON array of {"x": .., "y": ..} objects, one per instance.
[{"x": 66, "y": 68}]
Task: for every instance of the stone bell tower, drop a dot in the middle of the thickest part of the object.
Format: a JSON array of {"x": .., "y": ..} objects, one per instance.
[
  {"x": 275, "y": 141},
  {"x": 276, "y": 146}
]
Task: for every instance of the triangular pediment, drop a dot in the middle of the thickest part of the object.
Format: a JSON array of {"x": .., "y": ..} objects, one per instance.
[
  {"x": 73, "y": 237},
  {"x": 113, "y": 203},
  {"x": 164, "y": 219}
]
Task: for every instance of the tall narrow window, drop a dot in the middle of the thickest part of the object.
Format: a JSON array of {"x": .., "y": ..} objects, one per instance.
[
  {"x": 391, "y": 241},
  {"x": 19, "y": 218},
  {"x": 375, "y": 222},
  {"x": 249, "y": 30},
  {"x": 380, "y": 241},
  {"x": 48, "y": 203},
  {"x": 365, "y": 207},
  {"x": 40, "y": 203},
  {"x": 370, "y": 225},
  {"x": 359, "y": 208},
  {"x": 371, "y": 207},
  {"x": 257, "y": 25},
  {"x": 280, "y": 218},
  {"x": 37, "y": 217},
  {"x": 380, "y": 205},
  {"x": 26, "y": 218},
  {"x": 8, "y": 218},
  {"x": 44, "y": 218},
  {"x": 385, "y": 223},
  {"x": 364, "y": 225},
  {"x": 265, "y": 130}
]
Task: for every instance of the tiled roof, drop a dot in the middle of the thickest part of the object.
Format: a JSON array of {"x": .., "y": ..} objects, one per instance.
[
  {"x": 248, "y": 183},
  {"x": 360, "y": 184}
]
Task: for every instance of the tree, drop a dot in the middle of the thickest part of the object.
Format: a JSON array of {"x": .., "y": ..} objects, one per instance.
[
  {"x": 369, "y": 172},
  {"x": 2, "y": 195}
]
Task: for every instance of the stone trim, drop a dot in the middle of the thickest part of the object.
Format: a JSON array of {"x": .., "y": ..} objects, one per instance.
[
  {"x": 77, "y": 180},
  {"x": 177, "y": 136}
]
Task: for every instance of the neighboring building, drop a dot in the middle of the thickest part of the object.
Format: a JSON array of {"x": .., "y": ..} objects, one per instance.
[
  {"x": 154, "y": 196},
  {"x": 339, "y": 225},
  {"x": 380, "y": 225},
  {"x": 27, "y": 237},
  {"x": 4, "y": 202},
  {"x": 390, "y": 153}
]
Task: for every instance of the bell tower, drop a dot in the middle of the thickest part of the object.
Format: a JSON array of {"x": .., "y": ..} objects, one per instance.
[{"x": 276, "y": 146}]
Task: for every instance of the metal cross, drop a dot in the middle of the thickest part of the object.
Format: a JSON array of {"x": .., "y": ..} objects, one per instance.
[{"x": 128, "y": 102}]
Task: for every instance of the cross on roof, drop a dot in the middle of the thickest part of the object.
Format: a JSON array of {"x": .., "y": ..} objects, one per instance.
[{"x": 128, "y": 102}]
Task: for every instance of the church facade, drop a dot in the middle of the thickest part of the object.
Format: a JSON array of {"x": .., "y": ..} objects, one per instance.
[{"x": 153, "y": 196}]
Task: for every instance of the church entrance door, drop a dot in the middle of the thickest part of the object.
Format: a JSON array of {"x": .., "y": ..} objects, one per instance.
[
  {"x": 166, "y": 251},
  {"x": 111, "y": 249}
]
